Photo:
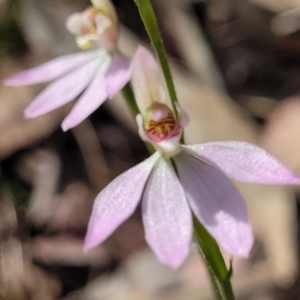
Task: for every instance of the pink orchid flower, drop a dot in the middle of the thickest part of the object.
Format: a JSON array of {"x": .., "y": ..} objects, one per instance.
[
  {"x": 98, "y": 74},
  {"x": 179, "y": 180}
]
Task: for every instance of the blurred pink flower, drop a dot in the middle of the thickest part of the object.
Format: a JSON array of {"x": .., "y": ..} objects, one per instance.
[
  {"x": 99, "y": 74},
  {"x": 96, "y": 73},
  {"x": 178, "y": 179},
  {"x": 97, "y": 23}
]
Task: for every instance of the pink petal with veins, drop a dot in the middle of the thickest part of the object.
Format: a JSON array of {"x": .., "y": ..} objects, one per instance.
[
  {"x": 91, "y": 99},
  {"x": 167, "y": 216},
  {"x": 117, "y": 201},
  {"x": 49, "y": 70},
  {"x": 62, "y": 90},
  {"x": 216, "y": 203},
  {"x": 245, "y": 162},
  {"x": 118, "y": 74}
]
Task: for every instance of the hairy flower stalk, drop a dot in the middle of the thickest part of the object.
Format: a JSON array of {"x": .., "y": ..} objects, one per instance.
[
  {"x": 180, "y": 179},
  {"x": 99, "y": 74}
]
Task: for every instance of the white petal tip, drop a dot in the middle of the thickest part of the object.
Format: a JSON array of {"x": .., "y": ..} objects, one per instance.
[
  {"x": 7, "y": 82},
  {"x": 90, "y": 242},
  {"x": 243, "y": 250},
  {"x": 64, "y": 129},
  {"x": 88, "y": 247},
  {"x": 172, "y": 263},
  {"x": 69, "y": 123},
  {"x": 10, "y": 82},
  {"x": 30, "y": 113},
  {"x": 295, "y": 180},
  {"x": 65, "y": 126},
  {"x": 242, "y": 253}
]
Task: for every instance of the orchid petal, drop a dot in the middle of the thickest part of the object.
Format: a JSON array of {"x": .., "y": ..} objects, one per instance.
[
  {"x": 245, "y": 162},
  {"x": 92, "y": 98},
  {"x": 118, "y": 74},
  {"x": 167, "y": 216},
  {"x": 49, "y": 70},
  {"x": 216, "y": 203},
  {"x": 62, "y": 90},
  {"x": 118, "y": 201},
  {"x": 147, "y": 80}
]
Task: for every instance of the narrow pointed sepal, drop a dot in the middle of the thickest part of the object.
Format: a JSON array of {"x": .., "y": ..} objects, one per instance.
[
  {"x": 62, "y": 90},
  {"x": 90, "y": 100},
  {"x": 216, "y": 203},
  {"x": 117, "y": 202},
  {"x": 49, "y": 70},
  {"x": 166, "y": 216},
  {"x": 245, "y": 162}
]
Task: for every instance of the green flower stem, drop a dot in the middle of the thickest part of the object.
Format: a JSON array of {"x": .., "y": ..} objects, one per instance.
[
  {"x": 149, "y": 19},
  {"x": 210, "y": 251},
  {"x": 130, "y": 99}
]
